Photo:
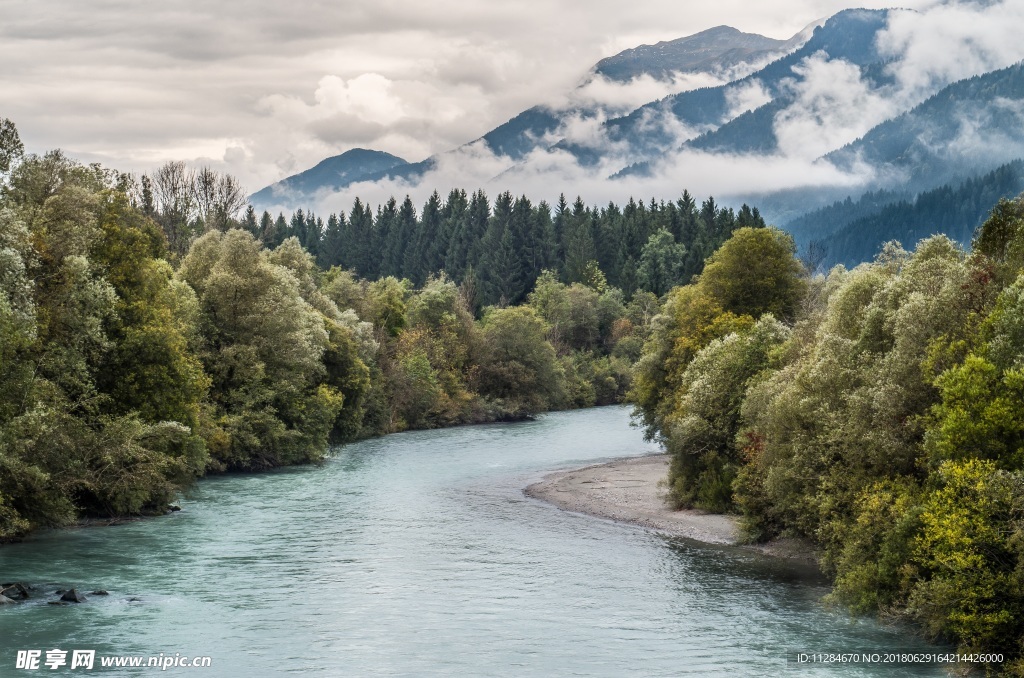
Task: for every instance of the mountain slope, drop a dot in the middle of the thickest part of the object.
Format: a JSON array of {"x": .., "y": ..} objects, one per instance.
[
  {"x": 330, "y": 174},
  {"x": 952, "y": 210},
  {"x": 969, "y": 124},
  {"x": 709, "y": 51},
  {"x": 850, "y": 35},
  {"x": 713, "y": 50}
]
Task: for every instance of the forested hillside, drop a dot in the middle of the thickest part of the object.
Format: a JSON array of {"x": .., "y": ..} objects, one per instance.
[
  {"x": 850, "y": 232},
  {"x": 876, "y": 412}
]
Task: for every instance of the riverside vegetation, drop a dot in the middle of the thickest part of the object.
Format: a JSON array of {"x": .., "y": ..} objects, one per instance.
[
  {"x": 149, "y": 337},
  {"x": 878, "y": 412}
]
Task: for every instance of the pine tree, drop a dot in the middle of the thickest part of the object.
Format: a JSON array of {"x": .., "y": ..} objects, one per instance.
[
  {"x": 403, "y": 234},
  {"x": 332, "y": 245},
  {"x": 500, "y": 261},
  {"x": 391, "y": 245},
  {"x": 266, "y": 229},
  {"x": 360, "y": 230},
  {"x": 476, "y": 228},
  {"x": 425, "y": 256},
  {"x": 579, "y": 243},
  {"x": 249, "y": 222},
  {"x": 455, "y": 227}
]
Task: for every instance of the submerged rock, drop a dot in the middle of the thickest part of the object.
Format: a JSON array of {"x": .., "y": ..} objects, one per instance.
[
  {"x": 99, "y": 592},
  {"x": 4, "y": 600},
  {"x": 15, "y": 590},
  {"x": 73, "y": 596}
]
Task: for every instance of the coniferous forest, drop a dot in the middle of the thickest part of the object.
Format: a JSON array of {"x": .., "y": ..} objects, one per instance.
[{"x": 501, "y": 247}]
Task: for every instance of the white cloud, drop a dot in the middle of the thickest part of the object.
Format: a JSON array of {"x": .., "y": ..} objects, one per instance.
[
  {"x": 746, "y": 96},
  {"x": 951, "y": 41},
  {"x": 832, "y": 106},
  {"x": 619, "y": 98},
  {"x": 132, "y": 85}
]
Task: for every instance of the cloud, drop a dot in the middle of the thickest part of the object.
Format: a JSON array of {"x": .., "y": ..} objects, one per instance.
[
  {"x": 985, "y": 133},
  {"x": 950, "y": 42},
  {"x": 613, "y": 97},
  {"x": 744, "y": 97},
  {"x": 829, "y": 103},
  {"x": 832, "y": 105}
]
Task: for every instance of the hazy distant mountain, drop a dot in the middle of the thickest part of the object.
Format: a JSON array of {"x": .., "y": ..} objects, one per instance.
[
  {"x": 936, "y": 156},
  {"x": 955, "y": 209},
  {"x": 850, "y": 35},
  {"x": 927, "y": 169},
  {"x": 331, "y": 174},
  {"x": 960, "y": 133},
  {"x": 716, "y": 49},
  {"x": 970, "y": 124}
]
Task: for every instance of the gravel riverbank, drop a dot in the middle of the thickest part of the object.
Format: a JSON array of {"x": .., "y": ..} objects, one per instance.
[{"x": 632, "y": 491}]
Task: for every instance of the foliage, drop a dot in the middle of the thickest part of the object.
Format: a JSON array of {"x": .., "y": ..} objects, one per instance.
[
  {"x": 503, "y": 247},
  {"x": 518, "y": 370},
  {"x": 101, "y": 389},
  {"x": 701, "y": 429},
  {"x": 262, "y": 345},
  {"x": 884, "y": 423}
]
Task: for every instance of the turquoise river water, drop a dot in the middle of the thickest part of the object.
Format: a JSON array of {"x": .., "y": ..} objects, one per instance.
[{"x": 417, "y": 554}]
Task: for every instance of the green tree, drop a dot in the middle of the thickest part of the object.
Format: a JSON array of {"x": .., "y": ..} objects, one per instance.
[
  {"x": 262, "y": 345},
  {"x": 11, "y": 147},
  {"x": 661, "y": 263},
  {"x": 518, "y": 371},
  {"x": 756, "y": 271}
]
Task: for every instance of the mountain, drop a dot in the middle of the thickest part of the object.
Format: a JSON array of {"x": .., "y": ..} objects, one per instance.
[
  {"x": 969, "y": 124},
  {"x": 713, "y": 51},
  {"x": 923, "y": 163},
  {"x": 949, "y": 142},
  {"x": 952, "y": 210},
  {"x": 333, "y": 173},
  {"x": 850, "y": 35},
  {"x": 716, "y": 49}
]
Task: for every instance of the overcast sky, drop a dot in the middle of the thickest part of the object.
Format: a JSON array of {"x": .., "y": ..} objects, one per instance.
[{"x": 264, "y": 88}]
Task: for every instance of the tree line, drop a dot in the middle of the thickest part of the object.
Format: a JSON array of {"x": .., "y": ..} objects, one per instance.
[
  {"x": 876, "y": 411},
  {"x": 500, "y": 248}
]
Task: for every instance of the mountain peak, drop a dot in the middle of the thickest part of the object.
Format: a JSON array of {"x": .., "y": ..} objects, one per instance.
[
  {"x": 333, "y": 173},
  {"x": 714, "y": 49}
]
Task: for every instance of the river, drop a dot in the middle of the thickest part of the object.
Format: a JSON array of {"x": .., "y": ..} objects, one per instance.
[{"x": 417, "y": 554}]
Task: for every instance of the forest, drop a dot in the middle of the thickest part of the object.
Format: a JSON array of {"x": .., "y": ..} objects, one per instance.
[
  {"x": 153, "y": 331},
  {"x": 850, "y": 232},
  {"x": 874, "y": 411},
  {"x": 500, "y": 249}
]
